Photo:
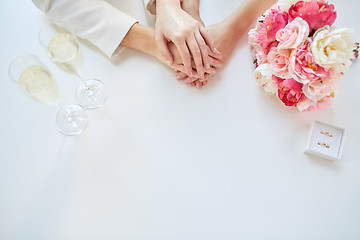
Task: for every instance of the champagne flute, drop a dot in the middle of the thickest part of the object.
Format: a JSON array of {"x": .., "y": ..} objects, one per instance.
[
  {"x": 37, "y": 82},
  {"x": 63, "y": 48}
]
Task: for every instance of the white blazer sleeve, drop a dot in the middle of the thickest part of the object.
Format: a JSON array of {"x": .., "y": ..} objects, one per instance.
[{"x": 95, "y": 20}]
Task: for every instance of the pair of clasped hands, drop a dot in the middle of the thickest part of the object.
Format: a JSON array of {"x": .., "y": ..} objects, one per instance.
[{"x": 185, "y": 43}]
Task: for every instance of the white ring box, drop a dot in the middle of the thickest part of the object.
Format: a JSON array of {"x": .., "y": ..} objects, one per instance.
[{"x": 325, "y": 141}]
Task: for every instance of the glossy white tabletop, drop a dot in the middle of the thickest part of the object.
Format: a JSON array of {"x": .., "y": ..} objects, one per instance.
[{"x": 164, "y": 161}]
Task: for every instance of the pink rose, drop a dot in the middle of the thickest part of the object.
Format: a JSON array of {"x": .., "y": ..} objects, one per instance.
[
  {"x": 274, "y": 21},
  {"x": 307, "y": 105},
  {"x": 293, "y": 34},
  {"x": 319, "y": 89},
  {"x": 289, "y": 91},
  {"x": 279, "y": 62},
  {"x": 303, "y": 67},
  {"x": 316, "y": 13}
]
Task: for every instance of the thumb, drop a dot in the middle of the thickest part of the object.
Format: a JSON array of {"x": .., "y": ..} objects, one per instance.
[{"x": 161, "y": 42}]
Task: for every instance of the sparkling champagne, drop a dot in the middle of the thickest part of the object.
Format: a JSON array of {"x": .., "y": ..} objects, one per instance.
[
  {"x": 37, "y": 82},
  {"x": 64, "y": 50}
]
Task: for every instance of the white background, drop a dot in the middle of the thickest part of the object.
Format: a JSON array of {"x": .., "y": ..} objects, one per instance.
[{"x": 164, "y": 161}]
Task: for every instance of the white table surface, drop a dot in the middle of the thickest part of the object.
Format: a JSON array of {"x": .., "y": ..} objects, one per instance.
[{"x": 164, "y": 161}]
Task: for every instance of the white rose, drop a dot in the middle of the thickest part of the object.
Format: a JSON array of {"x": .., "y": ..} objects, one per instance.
[
  {"x": 263, "y": 75},
  {"x": 253, "y": 40},
  {"x": 333, "y": 48}
]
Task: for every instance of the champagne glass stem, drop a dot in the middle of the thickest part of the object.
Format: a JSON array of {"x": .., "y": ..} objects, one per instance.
[{"x": 82, "y": 79}]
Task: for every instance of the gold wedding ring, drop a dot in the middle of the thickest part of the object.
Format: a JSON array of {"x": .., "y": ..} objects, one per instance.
[
  {"x": 323, "y": 145},
  {"x": 326, "y": 133}
]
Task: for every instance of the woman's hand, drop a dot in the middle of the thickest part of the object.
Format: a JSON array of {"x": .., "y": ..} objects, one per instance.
[
  {"x": 225, "y": 41},
  {"x": 190, "y": 37}
]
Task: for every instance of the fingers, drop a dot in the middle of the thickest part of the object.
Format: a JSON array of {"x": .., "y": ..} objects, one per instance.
[
  {"x": 191, "y": 81},
  {"x": 181, "y": 68},
  {"x": 212, "y": 50},
  {"x": 208, "y": 39},
  {"x": 196, "y": 54},
  {"x": 164, "y": 49},
  {"x": 196, "y": 83},
  {"x": 193, "y": 47},
  {"x": 185, "y": 56},
  {"x": 181, "y": 75},
  {"x": 215, "y": 54},
  {"x": 203, "y": 49},
  {"x": 215, "y": 65}
]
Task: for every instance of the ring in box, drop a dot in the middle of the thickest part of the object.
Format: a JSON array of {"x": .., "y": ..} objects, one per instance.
[{"x": 325, "y": 140}]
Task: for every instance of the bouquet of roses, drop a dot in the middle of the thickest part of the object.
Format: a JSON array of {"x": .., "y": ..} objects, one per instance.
[{"x": 300, "y": 56}]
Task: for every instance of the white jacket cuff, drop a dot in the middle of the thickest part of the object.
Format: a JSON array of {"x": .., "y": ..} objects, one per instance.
[{"x": 97, "y": 21}]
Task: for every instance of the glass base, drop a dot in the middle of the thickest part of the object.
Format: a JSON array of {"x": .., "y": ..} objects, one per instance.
[
  {"x": 92, "y": 94},
  {"x": 71, "y": 120}
]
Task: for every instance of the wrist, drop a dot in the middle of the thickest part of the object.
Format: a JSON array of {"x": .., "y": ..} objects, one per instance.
[
  {"x": 165, "y": 5},
  {"x": 190, "y": 6},
  {"x": 234, "y": 29},
  {"x": 141, "y": 38}
]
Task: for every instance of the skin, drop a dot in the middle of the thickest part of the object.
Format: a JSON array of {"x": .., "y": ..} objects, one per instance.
[
  {"x": 142, "y": 38},
  {"x": 192, "y": 8},
  {"x": 225, "y": 36},
  {"x": 227, "y": 33},
  {"x": 174, "y": 25}
]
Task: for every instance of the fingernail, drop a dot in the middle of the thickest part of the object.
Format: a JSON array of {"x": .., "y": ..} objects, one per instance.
[
  {"x": 207, "y": 66},
  {"x": 187, "y": 80},
  {"x": 177, "y": 77}
]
